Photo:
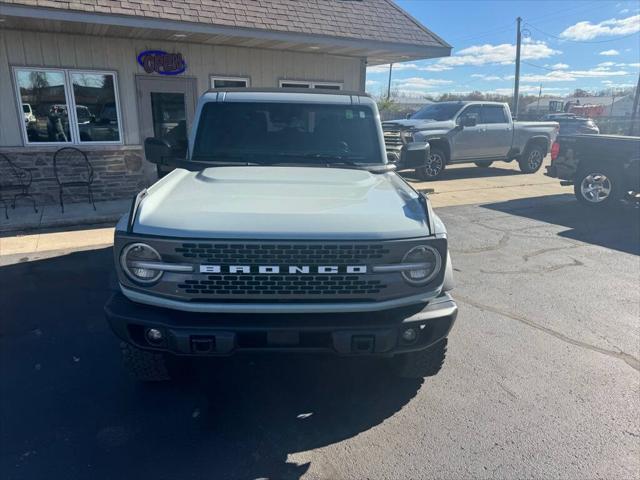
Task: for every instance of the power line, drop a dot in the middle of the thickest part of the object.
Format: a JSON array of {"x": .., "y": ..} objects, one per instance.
[
  {"x": 581, "y": 9},
  {"x": 579, "y": 41},
  {"x": 485, "y": 33},
  {"x": 540, "y": 66}
]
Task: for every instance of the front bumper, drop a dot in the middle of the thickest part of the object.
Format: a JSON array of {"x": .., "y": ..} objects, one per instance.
[
  {"x": 198, "y": 334},
  {"x": 406, "y": 159}
]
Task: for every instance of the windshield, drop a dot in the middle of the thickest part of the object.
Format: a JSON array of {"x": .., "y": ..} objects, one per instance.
[
  {"x": 267, "y": 133},
  {"x": 438, "y": 111},
  {"x": 26, "y": 108}
]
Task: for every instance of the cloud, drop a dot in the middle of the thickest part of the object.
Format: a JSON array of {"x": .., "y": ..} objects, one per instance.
[
  {"x": 371, "y": 83},
  {"x": 503, "y": 54},
  {"x": 573, "y": 75},
  {"x": 612, "y": 84},
  {"x": 418, "y": 85},
  {"x": 486, "y": 77},
  {"x": 613, "y": 27},
  {"x": 419, "y": 82},
  {"x": 604, "y": 65},
  {"x": 477, "y": 55},
  {"x": 531, "y": 89},
  {"x": 610, "y": 53}
]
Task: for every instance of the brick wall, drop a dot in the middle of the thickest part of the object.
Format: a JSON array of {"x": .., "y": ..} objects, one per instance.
[{"x": 119, "y": 172}]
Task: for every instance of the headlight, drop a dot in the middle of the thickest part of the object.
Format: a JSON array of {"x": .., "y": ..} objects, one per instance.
[
  {"x": 135, "y": 254},
  {"x": 407, "y": 136},
  {"x": 427, "y": 262}
]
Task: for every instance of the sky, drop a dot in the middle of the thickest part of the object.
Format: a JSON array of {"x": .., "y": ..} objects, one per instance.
[{"x": 587, "y": 44}]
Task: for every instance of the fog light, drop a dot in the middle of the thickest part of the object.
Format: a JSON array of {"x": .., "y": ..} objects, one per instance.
[
  {"x": 154, "y": 335},
  {"x": 409, "y": 335}
]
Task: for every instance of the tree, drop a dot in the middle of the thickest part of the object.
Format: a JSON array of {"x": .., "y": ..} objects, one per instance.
[{"x": 578, "y": 92}]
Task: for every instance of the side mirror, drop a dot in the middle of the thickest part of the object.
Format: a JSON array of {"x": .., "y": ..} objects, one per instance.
[
  {"x": 157, "y": 150},
  {"x": 416, "y": 155},
  {"x": 468, "y": 121}
]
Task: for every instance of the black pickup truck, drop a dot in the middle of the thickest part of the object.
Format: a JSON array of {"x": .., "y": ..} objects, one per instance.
[{"x": 603, "y": 169}]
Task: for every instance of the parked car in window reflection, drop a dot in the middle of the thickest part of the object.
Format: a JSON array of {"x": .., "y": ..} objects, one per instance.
[{"x": 29, "y": 117}]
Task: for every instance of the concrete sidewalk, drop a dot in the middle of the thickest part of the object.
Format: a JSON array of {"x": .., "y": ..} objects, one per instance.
[
  {"x": 78, "y": 228},
  {"x": 23, "y": 219}
]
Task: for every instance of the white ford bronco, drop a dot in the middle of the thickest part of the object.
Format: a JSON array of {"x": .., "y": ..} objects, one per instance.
[{"x": 282, "y": 229}]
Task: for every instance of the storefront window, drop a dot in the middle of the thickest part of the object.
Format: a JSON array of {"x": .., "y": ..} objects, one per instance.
[
  {"x": 96, "y": 112},
  {"x": 61, "y": 106},
  {"x": 229, "y": 82},
  {"x": 316, "y": 85},
  {"x": 44, "y": 105}
]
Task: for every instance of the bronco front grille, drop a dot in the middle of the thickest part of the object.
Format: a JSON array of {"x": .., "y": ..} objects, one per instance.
[
  {"x": 282, "y": 285},
  {"x": 279, "y": 271},
  {"x": 281, "y": 253}
]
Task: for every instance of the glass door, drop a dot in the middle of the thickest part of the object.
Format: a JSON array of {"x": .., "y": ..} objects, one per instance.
[{"x": 166, "y": 111}]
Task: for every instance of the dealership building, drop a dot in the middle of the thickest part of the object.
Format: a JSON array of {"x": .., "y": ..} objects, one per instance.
[{"x": 103, "y": 75}]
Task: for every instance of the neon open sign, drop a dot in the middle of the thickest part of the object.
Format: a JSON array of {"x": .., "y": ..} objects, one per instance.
[{"x": 159, "y": 61}]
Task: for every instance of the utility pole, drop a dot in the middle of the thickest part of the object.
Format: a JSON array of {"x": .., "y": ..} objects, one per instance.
[
  {"x": 516, "y": 89},
  {"x": 613, "y": 99},
  {"x": 389, "y": 84},
  {"x": 634, "y": 111},
  {"x": 539, "y": 95}
]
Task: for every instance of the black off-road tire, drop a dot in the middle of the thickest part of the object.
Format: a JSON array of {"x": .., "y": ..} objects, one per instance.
[
  {"x": 435, "y": 166},
  {"x": 483, "y": 163},
  {"x": 532, "y": 159},
  {"x": 144, "y": 365},
  {"x": 423, "y": 363},
  {"x": 605, "y": 178}
]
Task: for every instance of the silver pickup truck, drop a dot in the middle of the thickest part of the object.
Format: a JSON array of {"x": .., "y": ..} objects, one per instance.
[
  {"x": 462, "y": 132},
  {"x": 283, "y": 229}
]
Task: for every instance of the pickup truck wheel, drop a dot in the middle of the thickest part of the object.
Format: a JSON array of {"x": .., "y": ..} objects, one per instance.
[
  {"x": 145, "y": 366},
  {"x": 484, "y": 163},
  {"x": 434, "y": 166},
  {"x": 532, "y": 159},
  {"x": 423, "y": 363},
  {"x": 596, "y": 187}
]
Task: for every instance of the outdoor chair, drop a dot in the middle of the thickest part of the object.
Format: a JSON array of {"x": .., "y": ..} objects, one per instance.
[
  {"x": 72, "y": 169},
  {"x": 14, "y": 179}
]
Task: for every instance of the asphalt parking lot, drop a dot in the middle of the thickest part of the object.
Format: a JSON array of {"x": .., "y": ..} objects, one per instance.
[{"x": 542, "y": 378}]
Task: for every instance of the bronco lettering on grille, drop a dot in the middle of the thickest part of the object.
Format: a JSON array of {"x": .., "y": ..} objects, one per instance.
[{"x": 289, "y": 269}]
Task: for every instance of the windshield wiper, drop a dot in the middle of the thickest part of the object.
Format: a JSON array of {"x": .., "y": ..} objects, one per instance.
[{"x": 225, "y": 159}]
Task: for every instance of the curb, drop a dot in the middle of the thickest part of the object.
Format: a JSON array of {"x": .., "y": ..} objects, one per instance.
[{"x": 110, "y": 218}]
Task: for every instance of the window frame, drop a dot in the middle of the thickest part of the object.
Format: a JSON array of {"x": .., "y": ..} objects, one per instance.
[
  {"x": 464, "y": 112},
  {"x": 213, "y": 78},
  {"x": 116, "y": 94},
  {"x": 311, "y": 85},
  {"x": 74, "y": 131},
  {"x": 488, "y": 106}
]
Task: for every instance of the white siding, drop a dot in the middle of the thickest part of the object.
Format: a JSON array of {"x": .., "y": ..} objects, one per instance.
[{"x": 264, "y": 67}]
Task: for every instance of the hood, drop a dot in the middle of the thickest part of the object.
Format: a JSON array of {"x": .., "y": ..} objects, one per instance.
[
  {"x": 421, "y": 124},
  {"x": 281, "y": 203}
]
